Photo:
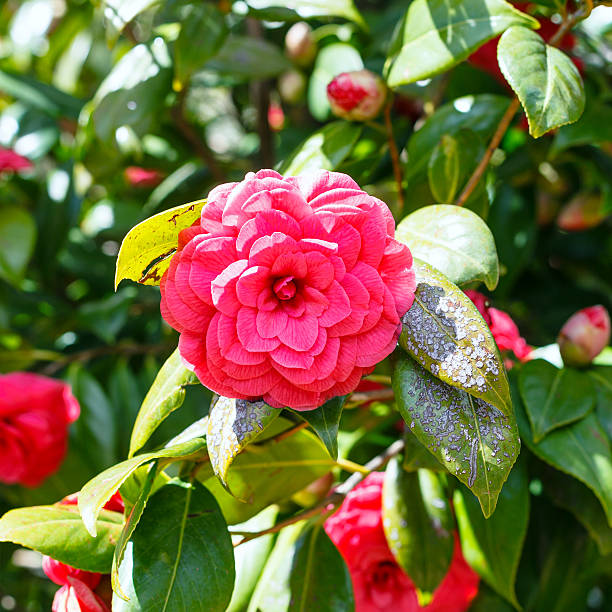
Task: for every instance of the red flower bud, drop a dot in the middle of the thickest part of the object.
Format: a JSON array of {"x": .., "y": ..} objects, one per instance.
[
  {"x": 76, "y": 596},
  {"x": 59, "y": 573},
  {"x": 582, "y": 212},
  {"x": 357, "y": 96},
  {"x": 143, "y": 177},
  {"x": 300, "y": 44},
  {"x": 584, "y": 335},
  {"x": 276, "y": 117},
  {"x": 12, "y": 162}
]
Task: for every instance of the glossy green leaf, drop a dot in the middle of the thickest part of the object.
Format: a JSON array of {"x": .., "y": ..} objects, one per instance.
[
  {"x": 58, "y": 531},
  {"x": 602, "y": 377},
  {"x": 545, "y": 80},
  {"x": 232, "y": 425},
  {"x": 446, "y": 334},
  {"x": 131, "y": 523},
  {"x": 146, "y": 250},
  {"x": 250, "y": 557},
  {"x": 180, "y": 557},
  {"x": 326, "y": 149},
  {"x": 474, "y": 440},
  {"x": 325, "y": 421},
  {"x": 304, "y": 572},
  {"x": 270, "y": 470},
  {"x": 416, "y": 455},
  {"x": 166, "y": 394},
  {"x": 118, "y": 13},
  {"x": 554, "y": 397},
  {"x": 99, "y": 490},
  {"x": 307, "y": 9},
  {"x": 454, "y": 240},
  {"x": 203, "y": 31},
  {"x": 566, "y": 450},
  {"x": 493, "y": 546},
  {"x": 17, "y": 239},
  {"x": 443, "y": 169},
  {"x": 418, "y": 524},
  {"x": 437, "y": 34}
]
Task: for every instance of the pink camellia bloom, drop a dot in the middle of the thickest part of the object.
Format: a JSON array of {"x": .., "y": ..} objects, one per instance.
[
  {"x": 584, "y": 335},
  {"x": 76, "y": 596},
  {"x": 12, "y": 162},
  {"x": 357, "y": 96},
  {"x": 379, "y": 583},
  {"x": 505, "y": 332},
  {"x": 288, "y": 289},
  {"x": 143, "y": 177},
  {"x": 35, "y": 412}
]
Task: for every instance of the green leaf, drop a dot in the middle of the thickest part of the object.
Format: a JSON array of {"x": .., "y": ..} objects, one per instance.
[
  {"x": 17, "y": 240},
  {"x": 326, "y": 149},
  {"x": 472, "y": 439},
  {"x": 270, "y": 470},
  {"x": 566, "y": 450},
  {"x": 146, "y": 250},
  {"x": 304, "y": 572},
  {"x": 446, "y": 334},
  {"x": 454, "y": 240},
  {"x": 118, "y": 13},
  {"x": 307, "y": 9},
  {"x": 203, "y": 32},
  {"x": 554, "y": 397},
  {"x": 416, "y": 455},
  {"x": 331, "y": 61},
  {"x": 602, "y": 376},
  {"x": 130, "y": 525},
  {"x": 99, "y": 490},
  {"x": 418, "y": 524},
  {"x": 251, "y": 557},
  {"x": 134, "y": 88},
  {"x": 325, "y": 420},
  {"x": 438, "y": 34},
  {"x": 443, "y": 169},
  {"x": 180, "y": 557},
  {"x": 166, "y": 394},
  {"x": 232, "y": 425},
  {"x": 545, "y": 80},
  {"x": 58, "y": 531},
  {"x": 247, "y": 58},
  {"x": 493, "y": 546}
]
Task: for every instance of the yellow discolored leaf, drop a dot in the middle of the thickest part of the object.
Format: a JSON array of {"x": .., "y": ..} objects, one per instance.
[{"x": 146, "y": 250}]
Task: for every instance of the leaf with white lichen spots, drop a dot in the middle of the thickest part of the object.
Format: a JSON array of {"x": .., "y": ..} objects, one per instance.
[
  {"x": 446, "y": 334},
  {"x": 473, "y": 439}
]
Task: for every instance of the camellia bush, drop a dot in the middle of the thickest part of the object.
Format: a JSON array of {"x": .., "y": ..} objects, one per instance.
[{"x": 304, "y": 305}]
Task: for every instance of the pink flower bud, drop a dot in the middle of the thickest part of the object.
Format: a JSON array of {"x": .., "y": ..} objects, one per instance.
[
  {"x": 357, "y": 96},
  {"x": 300, "y": 44},
  {"x": 12, "y": 162},
  {"x": 276, "y": 117},
  {"x": 59, "y": 573},
  {"x": 76, "y": 596},
  {"x": 143, "y": 177},
  {"x": 582, "y": 212},
  {"x": 584, "y": 335},
  {"x": 292, "y": 86}
]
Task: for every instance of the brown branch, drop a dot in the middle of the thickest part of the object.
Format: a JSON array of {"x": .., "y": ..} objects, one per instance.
[
  {"x": 333, "y": 500},
  {"x": 360, "y": 397},
  {"x": 395, "y": 160}
]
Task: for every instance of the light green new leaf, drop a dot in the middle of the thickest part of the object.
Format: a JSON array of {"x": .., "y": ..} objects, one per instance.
[
  {"x": 99, "y": 490},
  {"x": 58, "y": 531},
  {"x": 438, "y": 34},
  {"x": 418, "y": 524},
  {"x": 493, "y": 546},
  {"x": 545, "y": 80},
  {"x": 232, "y": 425},
  {"x": 325, "y": 421},
  {"x": 446, "y": 334},
  {"x": 180, "y": 556},
  {"x": 166, "y": 394},
  {"x": 444, "y": 168},
  {"x": 146, "y": 250},
  {"x": 454, "y": 240},
  {"x": 326, "y": 149},
  {"x": 17, "y": 239},
  {"x": 554, "y": 397},
  {"x": 472, "y": 439}
]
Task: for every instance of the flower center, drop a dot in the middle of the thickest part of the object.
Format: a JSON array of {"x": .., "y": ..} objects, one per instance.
[
  {"x": 284, "y": 288},
  {"x": 383, "y": 573}
]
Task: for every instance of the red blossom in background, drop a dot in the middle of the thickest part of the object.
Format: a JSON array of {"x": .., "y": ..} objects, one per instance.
[
  {"x": 136, "y": 176},
  {"x": 290, "y": 289},
  {"x": 584, "y": 335},
  {"x": 379, "y": 583},
  {"x": 12, "y": 162},
  {"x": 35, "y": 412},
  {"x": 356, "y": 96}
]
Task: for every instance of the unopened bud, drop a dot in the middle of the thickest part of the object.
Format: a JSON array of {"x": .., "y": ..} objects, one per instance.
[
  {"x": 582, "y": 212},
  {"x": 292, "y": 86},
  {"x": 584, "y": 335},
  {"x": 300, "y": 44},
  {"x": 357, "y": 96}
]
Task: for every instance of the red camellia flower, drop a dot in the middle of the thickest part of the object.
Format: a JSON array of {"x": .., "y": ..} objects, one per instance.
[
  {"x": 288, "y": 289},
  {"x": 357, "y": 96},
  {"x": 505, "y": 332},
  {"x": 35, "y": 412},
  {"x": 12, "y": 162},
  {"x": 379, "y": 583},
  {"x": 584, "y": 335},
  {"x": 76, "y": 596},
  {"x": 143, "y": 177}
]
